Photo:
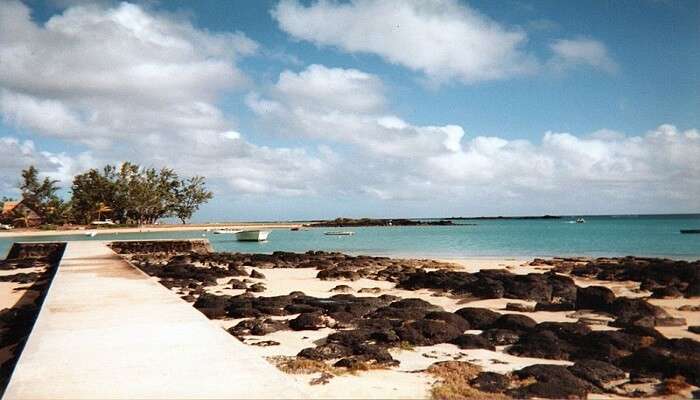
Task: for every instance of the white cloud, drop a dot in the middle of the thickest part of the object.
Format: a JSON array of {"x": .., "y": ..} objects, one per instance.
[
  {"x": 95, "y": 74},
  {"x": 393, "y": 159},
  {"x": 16, "y": 154},
  {"x": 443, "y": 39},
  {"x": 581, "y": 51},
  {"x": 346, "y": 105},
  {"x": 124, "y": 82},
  {"x": 130, "y": 83}
]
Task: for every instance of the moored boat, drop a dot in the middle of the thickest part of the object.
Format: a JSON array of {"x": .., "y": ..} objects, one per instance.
[
  {"x": 252, "y": 236},
  {"x": 339, "y": 233},
  {"x": 226, "y": 230}
]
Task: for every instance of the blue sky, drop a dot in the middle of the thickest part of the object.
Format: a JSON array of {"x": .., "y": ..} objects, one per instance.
[
  {"x": 320, "y": 109},
  {"x": 656, "y": 43}
]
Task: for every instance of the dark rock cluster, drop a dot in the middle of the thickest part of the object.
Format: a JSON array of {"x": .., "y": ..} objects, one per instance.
[
  {"x": 44, "y": 251},
  {"x": 207, "y": 267},
  {"x": 348, "y": 222},
  {"x": 201, "y": 246},
  {"x": 662, "y": 277},
  {"x": 595, "y": 376},
  {"x": 544, "y": 288},
  {"x": 553, "y": 292},
  {"x": 367, "y": 327},
  {"x": 372, "y": 325}
]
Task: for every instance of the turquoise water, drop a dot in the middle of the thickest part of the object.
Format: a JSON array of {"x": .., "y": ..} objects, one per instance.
[{"x": 601, "y": 236}]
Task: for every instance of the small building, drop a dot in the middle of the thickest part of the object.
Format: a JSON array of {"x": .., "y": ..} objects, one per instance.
[{"x": 23, "y": 215}]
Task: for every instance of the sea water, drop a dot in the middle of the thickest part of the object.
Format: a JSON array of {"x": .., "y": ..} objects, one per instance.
[{"x": 648, "y": 235}]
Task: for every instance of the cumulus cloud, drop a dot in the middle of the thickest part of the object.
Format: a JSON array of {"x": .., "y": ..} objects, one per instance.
[
  {"x": 442, "y": 39},
  {"x": 16, "y": 154},
  {"x": 346, "y": 105},
  {"x": 394, "y": 159},
  {"x": 95, "y": 74},
  {"x": 125, "y": 81},
  {"x": 581, "y": 51}
]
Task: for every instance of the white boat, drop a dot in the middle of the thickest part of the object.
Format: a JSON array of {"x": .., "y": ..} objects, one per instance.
[
  {"x": 339, "y": 233},
  {"x": 91, "y": 234},
  {"x": 105, "y": 222},
  {"x": 226, "y": 230},
  {"x": 252, "y": 236},
  {"x": 580, "y": 221}
]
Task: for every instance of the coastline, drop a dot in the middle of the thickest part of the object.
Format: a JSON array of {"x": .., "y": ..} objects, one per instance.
[
  {"x": 150, "y": 229},
  {"x": 604, "y": 237}
]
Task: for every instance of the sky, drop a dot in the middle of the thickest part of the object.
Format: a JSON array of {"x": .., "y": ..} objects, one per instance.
[{"x": 398, "y": 108}]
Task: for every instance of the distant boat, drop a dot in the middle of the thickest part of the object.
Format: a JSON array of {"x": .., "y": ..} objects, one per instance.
[
  {"x": 690, "y": 230},
  {"x": 226, "y": 230},
  {"x": 91, "y": 234},
  {"x": 580, "y": 221},
  {"x": 339, "y": 233},
  {"x": 296, "y": 228},
  {"x": 252, "y": 236}
]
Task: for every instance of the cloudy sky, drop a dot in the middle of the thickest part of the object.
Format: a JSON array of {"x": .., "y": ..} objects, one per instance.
[{"x": 298, "y": 109}]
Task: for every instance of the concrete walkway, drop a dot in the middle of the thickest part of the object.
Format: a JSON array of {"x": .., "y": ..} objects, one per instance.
[{"x": 106, "y": 330}]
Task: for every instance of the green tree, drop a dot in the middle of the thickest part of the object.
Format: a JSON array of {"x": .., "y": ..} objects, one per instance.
[
  {"x": 42, "y": 196},
  {"x": 189, "y": 195},
  {"x": 152, "y": 194},
  {"x": 92, "y": 192}
]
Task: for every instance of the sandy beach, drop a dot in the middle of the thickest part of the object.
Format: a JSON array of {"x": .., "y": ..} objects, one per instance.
[
  {"x": 19, "y": 232},
  {"x": 409, "y": 374}
]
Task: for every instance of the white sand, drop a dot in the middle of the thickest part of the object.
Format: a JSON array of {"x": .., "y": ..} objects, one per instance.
[
  {"x": 16, "y": 295},
  {"x": 408, "y": 379}
]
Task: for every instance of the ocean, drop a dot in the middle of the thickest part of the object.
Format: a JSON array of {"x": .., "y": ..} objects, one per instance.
[{"x": 644, "y": 235}]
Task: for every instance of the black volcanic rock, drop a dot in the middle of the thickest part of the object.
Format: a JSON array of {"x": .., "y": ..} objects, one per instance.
[
  {"x": 427, "y": 332},
  {"x": 599, "y": 373},
  {"x": 552, "y": 382},
  {"x": 467, "y": 341},
  {"x": 478, "y": 318},
  {"x": 514, "y": 322},
  {"x": 451, "y": 318},
  {"x": 490, "y": 382},
  {"x": 256, "y": 274},
  {"x": 594, "y": 298},
  {"x": 350, "y": 222},
  {"x": 307, "y": 321},
  {"x": 211, "y": 305}
]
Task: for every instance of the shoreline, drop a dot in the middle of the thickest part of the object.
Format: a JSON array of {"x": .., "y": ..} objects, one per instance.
[
  {"x": 111, "y": 234},
  {"x": 148, "y": 229}
]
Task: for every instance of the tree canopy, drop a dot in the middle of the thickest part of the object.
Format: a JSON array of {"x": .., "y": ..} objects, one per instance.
[{"x": 128, "y": 194}]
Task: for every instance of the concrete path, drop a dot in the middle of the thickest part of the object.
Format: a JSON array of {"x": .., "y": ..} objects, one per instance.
[{"x": 108, "y": 331}]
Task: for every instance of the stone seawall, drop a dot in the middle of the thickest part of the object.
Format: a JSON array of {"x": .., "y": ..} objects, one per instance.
[
  {"x": 161, "y": 246},
  {"x": 51, "y": 251}
]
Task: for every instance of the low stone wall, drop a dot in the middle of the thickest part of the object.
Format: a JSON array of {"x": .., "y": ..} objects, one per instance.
[
  {"x": 52, "y": 251},
  {"x": 161, "y": 246}
]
